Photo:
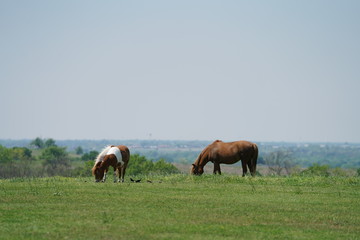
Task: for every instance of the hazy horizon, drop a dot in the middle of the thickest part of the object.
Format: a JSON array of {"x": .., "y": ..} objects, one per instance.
[
  {"x": 266, "y": 71},
  {"x": 180, "y": 140}
]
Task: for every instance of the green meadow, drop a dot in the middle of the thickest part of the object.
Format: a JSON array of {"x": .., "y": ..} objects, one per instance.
[{"x": 181, "y": 207}]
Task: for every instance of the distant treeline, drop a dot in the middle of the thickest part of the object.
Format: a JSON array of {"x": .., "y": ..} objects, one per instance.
[
  {"x": 343, "y": 155},
  {"x": 43, "y": 158}
]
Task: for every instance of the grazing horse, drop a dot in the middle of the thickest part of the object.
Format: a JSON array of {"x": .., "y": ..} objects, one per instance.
[
  {"x": 229, "y": 153},
  {"x": 114, "y": 156}
]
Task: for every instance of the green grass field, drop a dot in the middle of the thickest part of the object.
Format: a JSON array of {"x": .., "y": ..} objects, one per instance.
[{"x": 181, "y": 207}]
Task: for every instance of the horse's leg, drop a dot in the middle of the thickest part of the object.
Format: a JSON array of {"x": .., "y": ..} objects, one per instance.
[
  {"x": 251, "y": 168},
  {"x": 243, "y": 164},
  {"x": 121, "y": 173},
  {"x": 123, "y": 169},
  {"x": 214, "y": 171},
  {"x": 105, "y": 172},
  {"x": 217, "y": 168},
  {"x": 115, "y": 168}
]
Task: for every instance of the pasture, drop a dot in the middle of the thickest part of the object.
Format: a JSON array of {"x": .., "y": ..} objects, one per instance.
[{"x": 181, "y": 207}]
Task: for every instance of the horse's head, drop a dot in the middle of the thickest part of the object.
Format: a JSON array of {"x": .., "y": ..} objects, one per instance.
[
  {"x": 196, "y": 170},
  {"x": 98, "y": 173}
]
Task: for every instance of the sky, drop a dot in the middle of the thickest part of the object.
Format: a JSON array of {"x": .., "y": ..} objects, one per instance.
[{"x": 280, "y": 70}]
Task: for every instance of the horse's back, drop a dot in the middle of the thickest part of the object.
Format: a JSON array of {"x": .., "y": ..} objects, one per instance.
[
  {"x": 246, "y": 147},
  {"x": 219, "y": 149},
  {"x": 244, "y": 144},
  {"x": 226, "y": 146},
  {"x": 123, "y": 148}
]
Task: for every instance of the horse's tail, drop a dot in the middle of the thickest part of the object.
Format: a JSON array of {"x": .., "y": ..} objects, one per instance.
[
  {"x": 128, "y": 153},
  {"x": 254, "y": 158},
  {"x": 126, "y": 159},
  {"x": 102, "y": 154}
]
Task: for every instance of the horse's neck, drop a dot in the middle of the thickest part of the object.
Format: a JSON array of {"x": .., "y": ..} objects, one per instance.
[
  {"x": 104, "y": 164},
  {"x": 201, "y": 161},
  {"x": 204, "y": 162}
]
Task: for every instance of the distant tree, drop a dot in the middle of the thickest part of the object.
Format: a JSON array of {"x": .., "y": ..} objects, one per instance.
[
  {"x": 90, "y": 156},
  {"x": 279, "y": 161},
  {"x": 27, "y": 152},
  {"x": 55, "y": 156},
  {"x": 261, "y": 160},
  {"x": 5, "y": 154},
  {"x": 21, "y": 153},
  {"x": 79, "y": 150},
  {"x": 49, "y": 143},
  {"x": 38, "y": 143},
  {"x": 14, "y": 162}
]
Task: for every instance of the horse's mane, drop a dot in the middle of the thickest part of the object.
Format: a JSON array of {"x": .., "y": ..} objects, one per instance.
[
  {"x": 206, "y": 150},
  {"x": 197, "y": 161},
  {"x": 102, "y": 154}
]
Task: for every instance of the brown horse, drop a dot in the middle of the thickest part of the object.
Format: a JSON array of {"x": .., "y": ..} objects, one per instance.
[
  {"x": 229, "y": 153},
  {"x": 116, "y": 157}
]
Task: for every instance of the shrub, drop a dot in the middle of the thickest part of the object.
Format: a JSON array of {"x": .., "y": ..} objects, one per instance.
[
  {"x": 5, "y": 155},
  {"x": 85, "y": 170},
  {"x": 55, "y": 161},
  {"x": 21, "y": 153},
  {"x": 317, "y": 170},
  {"x": 162, "y": 167},
  {"x": 90, "y": 156},
  {"x": 140, "y": 165},
  {"x": 338, "y": 172}
]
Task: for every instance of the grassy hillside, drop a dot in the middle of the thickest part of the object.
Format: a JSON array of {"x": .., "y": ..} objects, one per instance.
[{"x": 181, "y": 207}]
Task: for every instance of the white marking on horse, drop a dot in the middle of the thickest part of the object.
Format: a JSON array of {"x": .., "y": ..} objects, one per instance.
[{"x": 117, "y": 153}]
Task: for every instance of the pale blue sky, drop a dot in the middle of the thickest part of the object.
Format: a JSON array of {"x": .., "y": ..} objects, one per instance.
[{"x": 256, "y": 70}]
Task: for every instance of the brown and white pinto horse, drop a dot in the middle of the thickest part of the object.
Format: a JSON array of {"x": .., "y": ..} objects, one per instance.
[
  {"x": 114, "y": 156},
  {"x": 229, "y": 153}
]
